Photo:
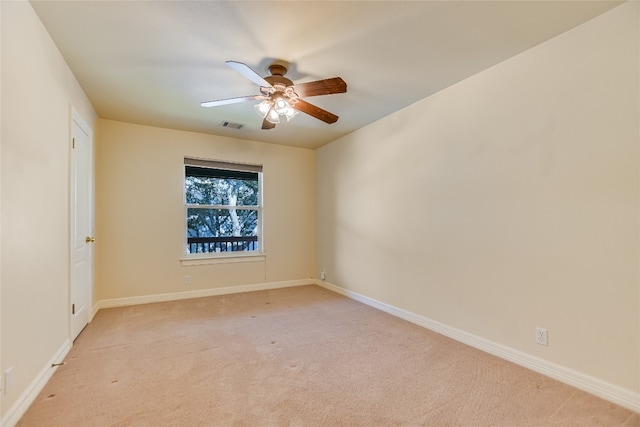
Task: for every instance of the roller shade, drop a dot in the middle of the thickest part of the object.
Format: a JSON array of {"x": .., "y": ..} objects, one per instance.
[{"x": 219, "y": 169}]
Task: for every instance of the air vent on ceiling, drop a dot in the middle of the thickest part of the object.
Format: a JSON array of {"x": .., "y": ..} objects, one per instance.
[{"x": 231, "y": 125}]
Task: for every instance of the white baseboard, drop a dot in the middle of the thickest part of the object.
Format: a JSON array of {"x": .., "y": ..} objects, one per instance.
[
  {"x": 17, "y": 410},
  {"x": 174, "y": 296},
  {"x": 595, "y": 386}
]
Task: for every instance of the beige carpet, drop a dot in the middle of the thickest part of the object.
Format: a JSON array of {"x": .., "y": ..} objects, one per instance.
[{"x": 300, "y": 356}]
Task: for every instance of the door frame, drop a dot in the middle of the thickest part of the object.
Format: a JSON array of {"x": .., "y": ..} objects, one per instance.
[{"x": 77, "y": 118}]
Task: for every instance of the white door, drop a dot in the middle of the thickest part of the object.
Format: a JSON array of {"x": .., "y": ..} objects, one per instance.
[{"x": 81, "y": 226}]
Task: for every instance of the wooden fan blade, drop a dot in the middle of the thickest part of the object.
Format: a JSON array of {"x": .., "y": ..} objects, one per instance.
[
  {"x": 246, "y": 71},
  {"x": 321, "y": 87},
  {"x": 315, "y": 111},
  {"x": 227, "y": 101},
  {"x": 266, "y": 124}
]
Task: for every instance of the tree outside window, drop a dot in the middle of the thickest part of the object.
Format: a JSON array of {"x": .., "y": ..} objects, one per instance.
[{"x": 222, "y": 207}]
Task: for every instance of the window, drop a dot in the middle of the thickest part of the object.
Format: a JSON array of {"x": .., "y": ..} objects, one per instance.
[{"x": 223, "y": 208}]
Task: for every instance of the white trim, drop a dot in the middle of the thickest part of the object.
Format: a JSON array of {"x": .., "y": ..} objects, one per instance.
[
  {"x": 223, "y": 259},
  {"x": 611, "y": 392},
  {"x": 75, "y": 116},
  {"x": 30, "y": 394},
  {"x": 175, "y": 296},
  {"x": 94, "y": 310}
]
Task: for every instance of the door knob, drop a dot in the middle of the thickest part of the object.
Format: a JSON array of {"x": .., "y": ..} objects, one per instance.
[{"x": 90, "y": 239}]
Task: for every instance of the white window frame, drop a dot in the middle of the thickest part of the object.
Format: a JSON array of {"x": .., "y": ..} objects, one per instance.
[{"x": 222, "y": 257}]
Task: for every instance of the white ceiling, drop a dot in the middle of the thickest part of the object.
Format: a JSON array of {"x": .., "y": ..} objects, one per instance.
[{"x": 153, "y": 62}]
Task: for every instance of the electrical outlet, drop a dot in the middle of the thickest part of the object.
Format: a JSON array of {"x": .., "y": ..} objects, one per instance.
[
  {"x": 541, "y": 336},
  {"x": 187, "y": 280},
  {"x": 323, "y": 275},
  {"x": 8, "y": 380}
]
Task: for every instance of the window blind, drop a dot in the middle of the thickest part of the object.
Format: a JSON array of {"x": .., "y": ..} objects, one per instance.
[{"x": 220, "y": 169}]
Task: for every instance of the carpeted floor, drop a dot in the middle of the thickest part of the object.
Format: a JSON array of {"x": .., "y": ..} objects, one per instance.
[{"x": 300, "y": 356}]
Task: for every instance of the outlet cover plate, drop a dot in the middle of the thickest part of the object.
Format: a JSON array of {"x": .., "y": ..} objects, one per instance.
[{"x": 541, "y": 336}]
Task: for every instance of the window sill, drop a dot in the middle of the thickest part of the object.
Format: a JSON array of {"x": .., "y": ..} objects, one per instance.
[{"x": 222, "y": 259}]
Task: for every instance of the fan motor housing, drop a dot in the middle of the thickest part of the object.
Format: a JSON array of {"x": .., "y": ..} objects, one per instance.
[
  {"x": 278, "y": 70},
  {"x": 273, "y": 80}
]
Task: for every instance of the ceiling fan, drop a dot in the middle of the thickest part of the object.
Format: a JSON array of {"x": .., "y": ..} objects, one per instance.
[{"x": 280, "y": 97}]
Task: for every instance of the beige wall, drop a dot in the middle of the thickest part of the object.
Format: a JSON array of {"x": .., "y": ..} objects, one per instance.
[
  {"x": 506, "y": 202},
  {"x": 516, "y": 191},
  {"x": 140, "y": 211},
  {"x": 37, "y": 91}
]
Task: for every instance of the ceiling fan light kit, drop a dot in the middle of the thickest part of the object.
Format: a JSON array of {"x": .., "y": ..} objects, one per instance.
[
  {"x": 280, "y": 97},
  {"x": 278, "y": 105},
  {"x": 263, "y": 108},
  {"x": 273, "y": 116}
]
